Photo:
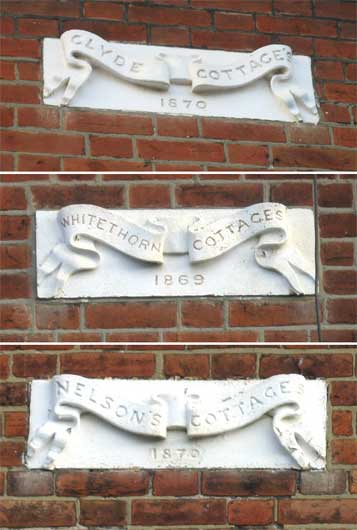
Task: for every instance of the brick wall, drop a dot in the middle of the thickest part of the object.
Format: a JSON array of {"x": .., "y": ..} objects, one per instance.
[
  {"x": 23, "y": 317},
  {"x": 138, "y": 499},
  {"x": 38, "y": 137}
]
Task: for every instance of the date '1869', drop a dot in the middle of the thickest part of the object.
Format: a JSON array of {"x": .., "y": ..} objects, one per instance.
[{"x": 180, "y": 279}]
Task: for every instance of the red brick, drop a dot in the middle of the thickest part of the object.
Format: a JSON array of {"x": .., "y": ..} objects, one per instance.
[
  {"x": 175, "y": 483},
  {"x": 316, "y": 365},
  {"x": 178, "y": 365},
  {"x": 342, "y": 423},
  {"x": 248, "y": 483},
  {"x": 229, "y": 365},
  {"x": 51, "y": 8},
  {"x": 18, "y": 94},
  {"x": 271, "y": 313},
  {"x": 34, "y": 365},
  {"x": 7, "y": 25},
  {"x": 4, "y": 366},
  {"x": 335, "y": 113},
  {"x": 299, "y": 45},
  {"x": 341, "y": 93},
  {"x": 6, "y": 116},
  {"x": 335, "y": 195},
  {"x": 38, "y": 27},
  {"x": 303, "y": 7},
  {"x": 305, "y": 134},
  {"x": 14, "y": 227},
  {"x": 47, "y": 118},
  {"x": 15, "y": 316},
  {"x": 165, "y": 36},
  {"x": 314, "y": 158},
  {"x": 15, "y": 286},
  {"x": 31, "y": 142},
  {"x": 15, "y": 47},
  {"x": 38, "y": 163},
  {"x": 99, "y": 122},
  {"x": 339, "y": 9},
  {"x": 335, "y": 48},
  {"x": 292, "y": 193},
  {"x": 250, "y": 6},
  {"x": 328, "y": 511},
  {"x": 183, "y": 150},
  {"x": 131, "y": 314},
  {"x": 26, "y": 513},
  {"x": 342, "y": 311},
  {"x": 337, "y": 253},
  {"x": 13, "y": 394},
  {"x": 351, "y": 72},
  {"x": 7, "y": 70},
  {"x": 340, "y": 281},
  {"x": 2, "y": 483},
  {"x": 236, "y": 130},
  {"x": 251, "y": 512},
  {"x": 234, "y": 21},
  {"x": 344, "y": 393},
  {"x": 110, "y": 30},
  {"x": 149, "y": 196},
  {"x": 353, "y": 481},
  {"x": 211, "y": 195},
  {"x": 329, "y": 70},
  {"x": 12, "y": 198},
  {"x": 248, "y": 154},
  {"x": 202, "y": 314},
  {"x": 296, "y": 26},
  {"x": 338, "y": 225},
  {"x": 108, "y": 10},
  {"x": 102, "y": 512},
  {"x": 184, "y": 127},
  {"x": 15, "y": 424},
  {"x": 7, "y": 162},
  {"x": 99, "y": 165},
  {"x": 49, "y": 316},
  {"x": 29, "y": 483},
  {"x": 102, "y": 483},
  {"x": 169, "y": 16},
  {"x": 11, "y": 455},
  {"x": 29, "y": 71},
  {"x": 344, "y": 136},
  {"x": 59, "y": 196},
  {"x": 109, "y": 146},
  {"x": 108, "y": 364},
  {"x": 227, "y": 40},
  {"x": 178, "y": 512},
  {"x": 348, "y": 30},
  {"x": 221, "y": 335}
]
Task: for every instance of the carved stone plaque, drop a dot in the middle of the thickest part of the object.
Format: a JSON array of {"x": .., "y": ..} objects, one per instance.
[
  {"x": 88, "y": 251},
  {"x": 111, "y": 423},
  {"x": 83, "y": 70}
]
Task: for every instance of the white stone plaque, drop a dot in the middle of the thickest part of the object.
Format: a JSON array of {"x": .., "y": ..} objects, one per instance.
[
  {"x": 88, "y": 251},
  {"x": 111, "y": 423},
  {"x": 83, "y": 70}
]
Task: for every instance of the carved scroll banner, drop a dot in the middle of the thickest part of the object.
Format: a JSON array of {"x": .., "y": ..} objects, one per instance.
[
  {"x": 82, "y": 69},
  {"x": 112, "y": 423},
  {"x": 88, "y": 251}
]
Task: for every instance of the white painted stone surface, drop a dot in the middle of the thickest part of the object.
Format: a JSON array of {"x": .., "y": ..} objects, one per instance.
[
  {"x": 178, "y": 81},
  {"x": 76, "y": 422},
  {"x": 265, "y": 249}
]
